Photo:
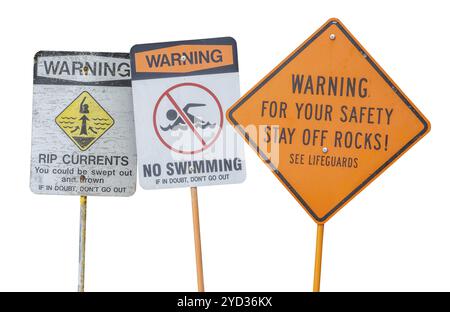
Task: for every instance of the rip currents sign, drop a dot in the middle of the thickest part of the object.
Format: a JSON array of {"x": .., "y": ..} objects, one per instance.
[{"x": 83, "y": 140}]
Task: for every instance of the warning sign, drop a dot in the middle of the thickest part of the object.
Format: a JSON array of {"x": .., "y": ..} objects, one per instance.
[
  {"x": 328, "y": 120},
  {"x": 83, "y": 140},
  {"x": 84, "y": 121},
  {"x": 180, "y": 93}
]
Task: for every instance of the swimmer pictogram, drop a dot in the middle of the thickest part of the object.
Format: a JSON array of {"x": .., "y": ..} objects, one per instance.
[
  {"x": 84, "y": 121},
  {"x": 179, "y": 122}
]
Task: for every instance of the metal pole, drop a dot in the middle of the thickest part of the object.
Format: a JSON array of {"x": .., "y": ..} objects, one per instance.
[{"x": 82, "y": 250}]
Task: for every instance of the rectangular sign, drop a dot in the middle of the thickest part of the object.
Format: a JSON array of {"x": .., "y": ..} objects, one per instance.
[
  {"x": 83, "y": 140},
  {"x": 181, "y": 91}
]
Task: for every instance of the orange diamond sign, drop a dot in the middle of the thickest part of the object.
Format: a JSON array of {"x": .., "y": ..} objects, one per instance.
[{"x": 328, "y": 120}]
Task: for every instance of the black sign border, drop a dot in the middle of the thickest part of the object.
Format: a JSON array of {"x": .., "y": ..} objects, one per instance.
[{"x": 376, "y": 172}]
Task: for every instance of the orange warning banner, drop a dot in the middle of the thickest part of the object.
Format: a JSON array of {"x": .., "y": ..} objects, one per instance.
[{"x": 183, "y": 58}]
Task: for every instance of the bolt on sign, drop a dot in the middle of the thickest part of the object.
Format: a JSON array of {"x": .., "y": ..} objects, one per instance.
[
  {"x": 328, "y": 120},
  {"x": 83, "y": 129},
  {"x": 181, "y": 91}
]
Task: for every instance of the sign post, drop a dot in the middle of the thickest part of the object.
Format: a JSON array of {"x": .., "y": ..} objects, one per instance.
[
  {"x": 327, "y": 121},
  {"x": 82, "y": 243},
  {"x": 318, "y": 263},
  {"x": 197, "y": 240},
  {"x": 180, "y": 93},
  {"x": 83, "y": 129}
]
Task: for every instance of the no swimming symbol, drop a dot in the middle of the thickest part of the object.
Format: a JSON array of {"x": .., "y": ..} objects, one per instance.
[{"x": 188, "y": 118}]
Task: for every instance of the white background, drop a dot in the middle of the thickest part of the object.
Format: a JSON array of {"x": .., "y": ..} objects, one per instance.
[{"x": 393, "y": 236}]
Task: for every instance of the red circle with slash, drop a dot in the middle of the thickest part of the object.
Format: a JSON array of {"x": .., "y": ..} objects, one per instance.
[{"x": 166, "y": 94}]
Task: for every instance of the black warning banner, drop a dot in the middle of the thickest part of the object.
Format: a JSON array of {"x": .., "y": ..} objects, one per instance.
[{"x": 82, "y": 68}]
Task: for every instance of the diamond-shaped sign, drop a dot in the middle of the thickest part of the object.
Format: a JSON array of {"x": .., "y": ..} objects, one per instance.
[
  {"x": 328, "y": 120},
  {"x": 84, "y": 121}
]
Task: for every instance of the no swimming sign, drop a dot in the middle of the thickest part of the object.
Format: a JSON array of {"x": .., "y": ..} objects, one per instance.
[{"x": 181, "y": 91}]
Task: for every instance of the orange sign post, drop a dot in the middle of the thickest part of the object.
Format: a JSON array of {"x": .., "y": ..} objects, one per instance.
[{"x": 327, "y": 121}]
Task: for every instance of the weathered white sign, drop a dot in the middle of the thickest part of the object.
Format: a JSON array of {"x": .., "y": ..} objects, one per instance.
[
  {"x": 181, "y": 91},
  {"x": 83, "y": 140}
]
